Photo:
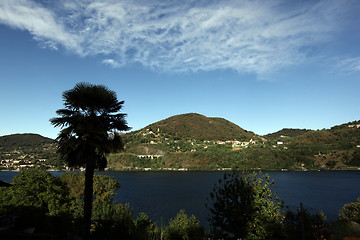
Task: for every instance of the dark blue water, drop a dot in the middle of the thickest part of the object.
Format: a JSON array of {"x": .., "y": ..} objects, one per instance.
[{"x": 162, "y": 194}]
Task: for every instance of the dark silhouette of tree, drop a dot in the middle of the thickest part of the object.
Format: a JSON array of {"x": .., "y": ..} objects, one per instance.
[
  {"x": 89, "y": 124},
  {"x": 242, "y": 206}
]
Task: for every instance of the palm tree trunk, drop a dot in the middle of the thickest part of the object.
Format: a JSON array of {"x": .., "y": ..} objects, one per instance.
[{"x": 88, "y": 198}]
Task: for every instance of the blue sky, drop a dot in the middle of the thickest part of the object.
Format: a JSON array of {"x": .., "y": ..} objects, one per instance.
[{"x": 264, "y": 65}]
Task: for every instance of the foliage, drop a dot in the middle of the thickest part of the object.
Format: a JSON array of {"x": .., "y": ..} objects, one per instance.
[
  {"x": 113, "y": 219},
  {"x": 104, "y": 188},
  {"x": 180, "y": 140},
  {"x": 355, "y": 160},
  {"x": 38, "y": 199},
  {"x": 37, "y": 189},
  {"x": 320, "y": 136},
  {"x": 110, "y": 219},
  {"x": 242, "y": 206},
  {"x": 75, "y": 183},
  {"x": 183, "y": 227},
  {"x": 344, "y": 230},
  {"x": 91, "y": 113},
  {"x": 287, "y": 132},
  {"x": 331, "y": 164},
  {"x": 351, "y": 211},
  {"x": 145, "y": 228},
  {"x": 89, "y": 122},
  {"x": 303, "y": 225}
]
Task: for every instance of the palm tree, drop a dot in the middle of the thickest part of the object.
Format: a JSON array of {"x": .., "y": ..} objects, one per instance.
[{"x": 89, "y": 125}]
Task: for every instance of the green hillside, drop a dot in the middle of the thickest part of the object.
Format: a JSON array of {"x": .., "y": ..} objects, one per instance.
[
  {"x": 28, "y": 151},
  {"x": 196, "y": 126},
  {"x": 26, "y": 139},
  {"x": 287, "y": 132},
  {"x": 196, "y": 142}
]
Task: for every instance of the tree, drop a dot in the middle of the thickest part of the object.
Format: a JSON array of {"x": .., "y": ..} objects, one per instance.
[
  {"x": 301, "y": 225},
  {"x": 89, "y": 124},
  {"x": 242, "y": 206},
  {"x": 145, "y": 228},
  {"x": 113, "y": 220},
  {"x": 355, "y": 161},
  {"x": 37, "y": 189},
  {"x": 104, "y": 188},
  {"x": 351, "y": 211},
  {"x": 183, "y": 227},
  {"x": 39, "y": 200}
]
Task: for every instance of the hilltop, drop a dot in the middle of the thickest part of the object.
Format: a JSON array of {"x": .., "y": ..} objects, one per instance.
[
  {"x": 200, "y": 127},
  {"x": 287, "y": 132},
  {"x": 27, "y": 151},
  {"x": 26, "y": 139},
  {"x": 196, "y": 142}
]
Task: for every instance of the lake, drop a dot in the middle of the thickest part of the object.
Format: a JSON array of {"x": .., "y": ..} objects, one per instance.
[{"x": 162, "y": 194}]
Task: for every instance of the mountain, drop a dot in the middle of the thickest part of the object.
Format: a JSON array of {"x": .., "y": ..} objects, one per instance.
[
  {"x": 196, "y": 126},
  {"x": 345, "y": 136},
  {"x": 287, "y": 132},
  {"x": 193, "y": 141},
  {"x": 27, "y": 139},
  {"x": 196, "y": 142}
]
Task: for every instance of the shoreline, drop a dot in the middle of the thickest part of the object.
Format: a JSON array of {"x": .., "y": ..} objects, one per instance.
[{"x": 196, "y": 170}]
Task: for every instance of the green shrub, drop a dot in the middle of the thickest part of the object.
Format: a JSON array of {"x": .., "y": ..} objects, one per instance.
[
  {"x": 351, "y": 211},
  {"x": 242, "y": 206},
  {"x": 183, "y": 227}
]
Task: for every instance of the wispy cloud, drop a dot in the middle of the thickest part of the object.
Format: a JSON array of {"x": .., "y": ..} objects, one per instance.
[
  {"x": 349, "y": 65},
  {"x": 247, "y": 36},
  {"x": 39, "y": 21},
  {"x": 111, "y": 62}
]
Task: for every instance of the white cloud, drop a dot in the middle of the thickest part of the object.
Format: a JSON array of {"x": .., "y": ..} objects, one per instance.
[
  {"x": 111, "y": 62},
  {"x": 349, "y": 64},
  {"x": 39, "y": 21},
  {"x": 248, "y": 36}
]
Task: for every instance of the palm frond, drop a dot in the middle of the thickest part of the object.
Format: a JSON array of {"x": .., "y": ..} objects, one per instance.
[{"x": 90, "y": 113}]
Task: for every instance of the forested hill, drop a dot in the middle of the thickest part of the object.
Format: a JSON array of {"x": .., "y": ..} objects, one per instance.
[
  {"x": 344, "y": 135},
  {"x": 27, "y": 139},
  {"x": 196, "y": 126},
  {"x": 196, "y": 142},
  {"x": 287, "y": 132}
]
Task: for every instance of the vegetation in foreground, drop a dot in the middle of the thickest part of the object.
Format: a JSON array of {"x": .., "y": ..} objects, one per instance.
[
  {"x": 241, "y": 206},
  {"x": 90, "y": 125}
]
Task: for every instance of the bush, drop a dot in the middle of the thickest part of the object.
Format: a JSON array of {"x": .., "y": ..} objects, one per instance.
[
  {"x": 242, "y": 206},
  {"x": 303, "y": 225},
  {"x": 145, "y": 228},
  {"x": 39, "y": 190},
  {"x": 112, "y": 220},
  {"x": 38, "y": 200},
  {"x": 351, "y": 211},
  {"x": 183, "y": 227}
]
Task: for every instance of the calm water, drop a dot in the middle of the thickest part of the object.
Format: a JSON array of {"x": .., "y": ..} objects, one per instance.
[{"x": 162, "y": 194}]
